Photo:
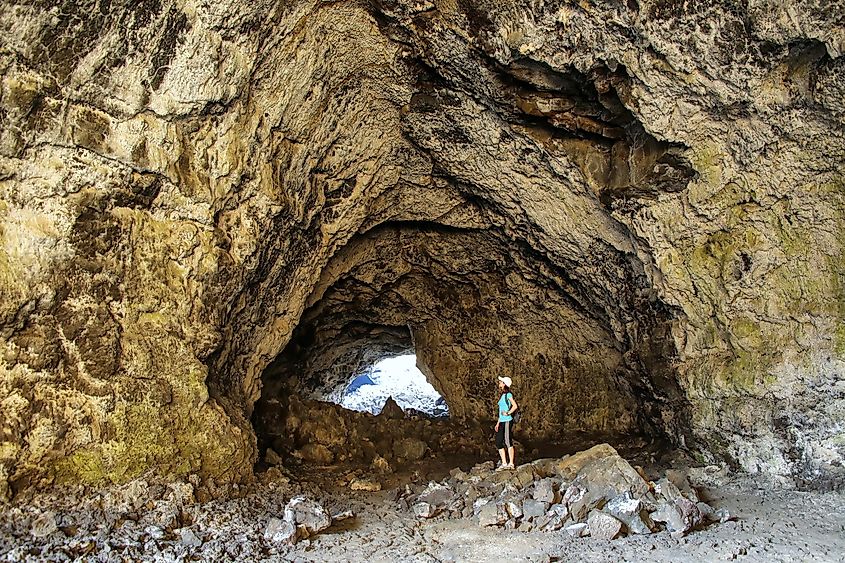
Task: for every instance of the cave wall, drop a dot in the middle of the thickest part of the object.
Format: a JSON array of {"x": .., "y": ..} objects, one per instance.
[
  {"x": 454, "y": 291},
  {"x": 176, "y": 178}
]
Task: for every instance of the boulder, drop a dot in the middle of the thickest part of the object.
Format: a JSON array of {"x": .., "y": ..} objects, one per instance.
[
  {"x": 316, "y": 453},
  {"x": 533, "y": 508},
  {"x": 630, "y": 512},
  {"x": 425, "y": 510},
  {"x": 280, "y": 532},
  {"x": 603, "y": 474},
  {"x": 490, "y": 515},
  {"x": 272, "y": 458},
  {"x": 578, "y": 530},
  {"x": 603, "y": 526},
  {"x": 410, "y": 449},
  {"x": 362, "y": 484},
  {"x": 308, "y": 515},
  {"x": 544, "y": 490},
  {"x": 391, "y": 410}
]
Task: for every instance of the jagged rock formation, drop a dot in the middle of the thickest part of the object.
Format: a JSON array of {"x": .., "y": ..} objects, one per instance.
[{"x": 634, "y": 208}]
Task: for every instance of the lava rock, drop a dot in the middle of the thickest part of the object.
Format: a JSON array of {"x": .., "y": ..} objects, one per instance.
[
  {"x": 370, "y": 485},
  {"x": 391, "y": 410},
  {"x": 44, "y": 525},
  {"x": 437, "y": 495},
  {"x": 603, "y": 526},
  {"x": 189, "y": 538},
  {"x": 316, "y": 453},
  {"x": 533, "y": 508},
  {"x": 490, "y": 515},
  {"x": 272, "y": 458},
  {"x": 556, "y": 518},
  {"x": 307, "y": 514},
  {"x": 578, "y": 530},
  {"x": 544, "y": 491},
  {"x": 410, "y": 449},
  {"x": 630, "y": 512},
  {"x": 424, "y": 510},
  {"x": 280, "y": 531},
  {"x": 381, "y": 465}
]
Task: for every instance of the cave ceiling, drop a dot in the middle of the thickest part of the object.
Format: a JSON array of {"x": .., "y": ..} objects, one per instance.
[{"x": 633, "y": 208}]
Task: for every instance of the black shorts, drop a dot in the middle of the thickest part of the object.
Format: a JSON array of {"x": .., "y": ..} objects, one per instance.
[{"x": 504, "y": 439}]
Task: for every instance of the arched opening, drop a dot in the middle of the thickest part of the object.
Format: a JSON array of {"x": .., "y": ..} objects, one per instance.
[{"x": 398, "y": 378}]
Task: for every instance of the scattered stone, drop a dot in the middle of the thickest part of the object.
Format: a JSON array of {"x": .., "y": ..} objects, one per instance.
[
  {"x": 361, "y": 484},
  {"x": 525, "y": 526},
  {"x": 307, "y": 514},
  {"x": 424, "y": 510},
  {"x": 316, "y": 453},
  {"x": 280, "y": 532},
  {"x": 381, "y": 465},
  {"x": 410, "y": 449},
  {"x": 154, "y": 532},
  {"x": 272, "y": 458},
  {"x": 544, "y": 491},
  {"x": 189, "y": 538},
  {"x": 533, "y": 508},
  {"x": 514, "y": 509},
  {"x": 490, "y": 515},
  {"x": 44, "y": 525},
  {"x": 603, "y": 526},
  {"x": 436, "y": 494},
  {"x": 724, "y": 515},
  {"x": 556, "y": 518},
  {"x": 578, "y": 530},
  {"x": 340, "y": 516}
]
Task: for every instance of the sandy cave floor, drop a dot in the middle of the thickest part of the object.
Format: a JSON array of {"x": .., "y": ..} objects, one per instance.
[{"x": 139, "y": 522}]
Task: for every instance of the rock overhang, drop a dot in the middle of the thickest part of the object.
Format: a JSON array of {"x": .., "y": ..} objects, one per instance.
[{"x": 656, "y": 188}]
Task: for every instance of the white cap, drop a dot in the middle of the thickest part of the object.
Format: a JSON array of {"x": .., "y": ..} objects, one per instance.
[{"x": 506, "y": 380}]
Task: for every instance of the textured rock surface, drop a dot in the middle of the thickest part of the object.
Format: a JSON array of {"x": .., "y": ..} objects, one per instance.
[{"x": 635, "y": 209}]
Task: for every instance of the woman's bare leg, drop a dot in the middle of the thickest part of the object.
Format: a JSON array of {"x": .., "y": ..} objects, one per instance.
[
  {"x": 502, "y": 455},
  {"x": 510, "y": 454}
]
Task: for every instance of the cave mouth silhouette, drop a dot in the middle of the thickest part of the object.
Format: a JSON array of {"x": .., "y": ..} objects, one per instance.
[{"x": 397, "y": 377}]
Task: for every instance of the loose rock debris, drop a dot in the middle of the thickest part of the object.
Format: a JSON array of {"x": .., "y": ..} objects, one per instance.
[
  {"x": 548, "y": 510},
  {"x": 594, "y": 492}
]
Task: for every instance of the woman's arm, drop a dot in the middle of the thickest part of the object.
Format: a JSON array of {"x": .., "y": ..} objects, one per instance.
[{"x": 514, "y": 406}]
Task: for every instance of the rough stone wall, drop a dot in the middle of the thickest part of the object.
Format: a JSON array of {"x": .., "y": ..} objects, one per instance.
[{"x": 177, "y": 176}]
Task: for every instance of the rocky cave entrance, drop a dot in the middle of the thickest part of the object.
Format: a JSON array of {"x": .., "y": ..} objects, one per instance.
[
  {"x": 588, "y": 346},
  {"x": 397, "y": 378}
]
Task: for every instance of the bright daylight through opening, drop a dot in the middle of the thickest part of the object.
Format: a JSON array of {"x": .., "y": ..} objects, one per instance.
[{"x": 396, "y": 377}]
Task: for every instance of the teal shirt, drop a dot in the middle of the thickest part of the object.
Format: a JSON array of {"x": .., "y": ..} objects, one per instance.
[{"x": 505, "y": 405}]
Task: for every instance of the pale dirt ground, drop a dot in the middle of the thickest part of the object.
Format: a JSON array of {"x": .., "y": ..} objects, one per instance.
[
  {"x": 781, "y": 525},
  {"x": 771, "y": 525}
]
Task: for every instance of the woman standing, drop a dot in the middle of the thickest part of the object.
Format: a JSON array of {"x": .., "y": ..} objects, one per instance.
[{"x": 506, "y": 407}]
